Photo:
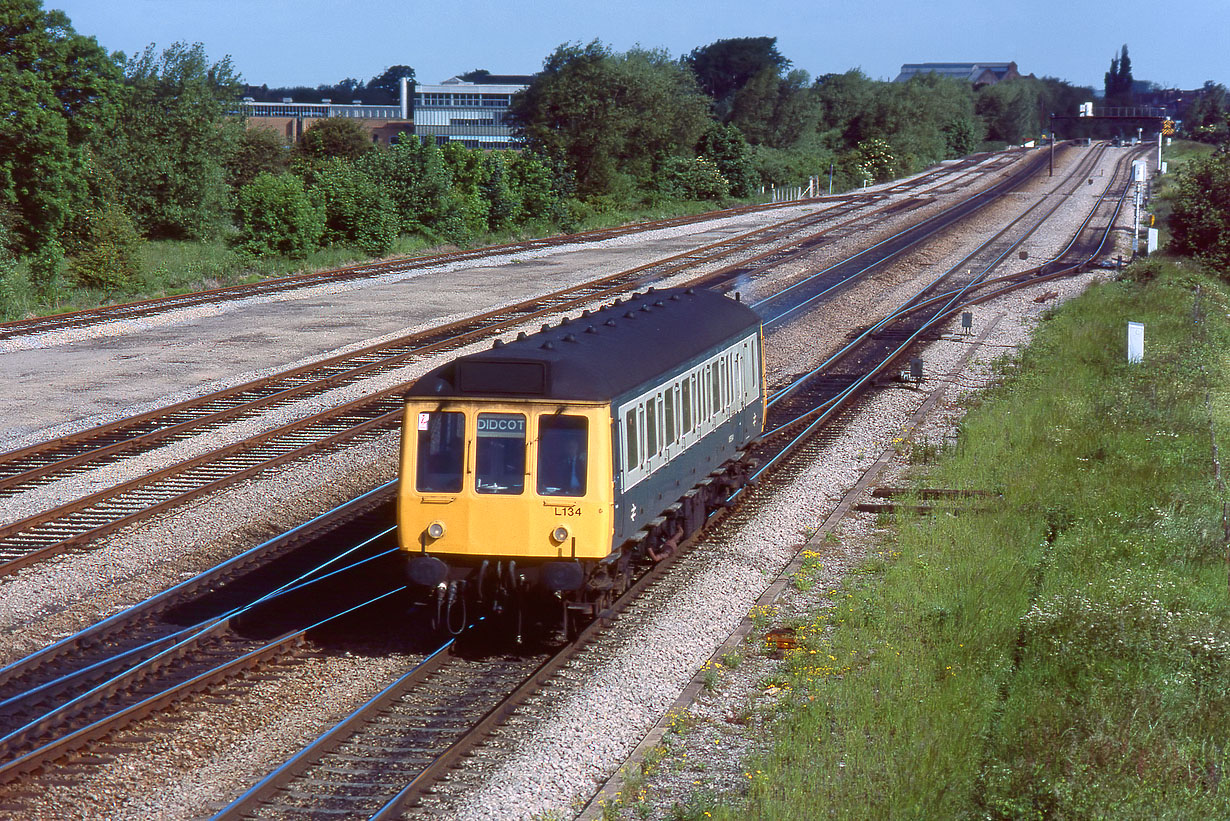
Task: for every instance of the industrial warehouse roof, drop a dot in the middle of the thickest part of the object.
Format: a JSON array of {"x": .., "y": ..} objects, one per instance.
[
  {"x": 600, "y": 355},
  {"x": 974, "y": 73}
]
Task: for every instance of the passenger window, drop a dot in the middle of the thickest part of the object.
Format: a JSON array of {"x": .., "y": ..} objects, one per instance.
[
  {"x": 441, "y": 452},
  {"x": 715, "y": 386},
  {"x": 651, "y": 427},
  {"x": 685, "y": 402},
  {"x": 633, "y": 456},
  {"x": 672, "y": 433},
  {"x": 725, "y": 382},
  {"x": 500, "y": 453},
  {"x": 562, "y": 455}
]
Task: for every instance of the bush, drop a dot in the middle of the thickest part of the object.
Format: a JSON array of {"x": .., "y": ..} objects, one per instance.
[
  {"x": 335, "y": 137},
  {"x": 729, "y": 151},
  {"x": 107, "y": 258},
  {"x": 358, "y": 212},
  {"x": 9, "y": 302},
  {"x": 692, "y": 179},
  {"x": 46, "y": 268},
  {"x": 1200, "y": 215},
  {"x": 277, "y": 216}
]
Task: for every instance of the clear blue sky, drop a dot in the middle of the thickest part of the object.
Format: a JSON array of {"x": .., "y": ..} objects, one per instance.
[{"x": 314, "y": 42}]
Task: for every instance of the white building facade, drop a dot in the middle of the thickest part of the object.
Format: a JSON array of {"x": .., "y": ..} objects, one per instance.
[{"x": 472, "y": 113}]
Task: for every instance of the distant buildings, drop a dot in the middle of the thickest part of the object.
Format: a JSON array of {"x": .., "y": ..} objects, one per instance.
[
  {"x": 976, "y": 74},
  {"x": 473, "y": 113}
]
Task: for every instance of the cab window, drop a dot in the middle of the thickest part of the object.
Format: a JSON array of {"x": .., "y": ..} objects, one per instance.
[
  {"x": 562, "y": 455},
  {"x": 500, "y": 453},
  {"x": 441, "y": 450}
]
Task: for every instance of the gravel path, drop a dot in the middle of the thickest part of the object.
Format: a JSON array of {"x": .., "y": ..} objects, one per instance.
[{"x": 556, "y": 763}]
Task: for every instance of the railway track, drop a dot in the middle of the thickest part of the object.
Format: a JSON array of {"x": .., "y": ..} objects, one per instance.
[
  {"x": 313, "y": 797},
  {"x": 248, "y": 612},
  {"x": 81, "y": 521}
]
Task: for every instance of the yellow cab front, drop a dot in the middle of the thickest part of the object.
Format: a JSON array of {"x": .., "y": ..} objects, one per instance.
[{"x": 506, "y": 480}]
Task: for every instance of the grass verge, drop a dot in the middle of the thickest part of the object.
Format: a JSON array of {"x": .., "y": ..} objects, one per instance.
[{"x": 1065, "y": 654}]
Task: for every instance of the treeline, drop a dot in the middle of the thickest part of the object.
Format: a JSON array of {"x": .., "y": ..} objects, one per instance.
[
  {"x": 383, "y": 89},
  {"x": 336, "y": 188},
  {"x": 733, "y": 116},
  {"x": 103, "y": 152},
  {"x": 1208, "y": 117}
]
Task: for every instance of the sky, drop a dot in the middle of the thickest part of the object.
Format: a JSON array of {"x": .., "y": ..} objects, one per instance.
[{"x": 283, "y": 43}]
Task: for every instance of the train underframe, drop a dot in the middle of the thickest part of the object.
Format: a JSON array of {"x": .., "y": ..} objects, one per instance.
[{"x": 570, "y": 593}]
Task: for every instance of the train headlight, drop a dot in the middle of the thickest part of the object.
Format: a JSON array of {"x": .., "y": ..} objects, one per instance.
[
  {"x": 560, "y": 534},
  {"x": 436, "y": 529}
]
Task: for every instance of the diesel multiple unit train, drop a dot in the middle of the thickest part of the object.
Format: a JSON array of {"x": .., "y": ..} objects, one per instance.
[{"x": 548, "y": 467}]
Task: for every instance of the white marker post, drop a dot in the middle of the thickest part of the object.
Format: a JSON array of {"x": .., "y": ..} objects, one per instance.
[{"x": 1136, "y": 342}]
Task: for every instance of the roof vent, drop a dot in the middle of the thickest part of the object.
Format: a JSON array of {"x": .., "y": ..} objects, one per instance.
[
  {"x": 499, "y": 343},
  {"x": 548, "y": 345},
  {"x": 521, "y": 336},
  {"x": 546, "y": 326},
  {"x": 585, "y": 313},
  {"x": 690, "y": 292},
  {"x": 591, "y": 330},
  {"x": 564, "y": 321},
  {"x": 645, "y": 308},
  {"x": 610, "y": 322},
  {"x": 674, "y": 297},
  {"x": 659, "y": 303},
  {"x": 629, "y": 315},
  {"x": 616, "y": 303},
  {"x": 650, "y": 291},
  {"x": 570, "y": 338}
]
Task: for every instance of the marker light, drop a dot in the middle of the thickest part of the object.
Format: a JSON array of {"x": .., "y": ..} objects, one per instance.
[
  {"x": 560, "y": 534},
  {"x": 435, "y": 530}
]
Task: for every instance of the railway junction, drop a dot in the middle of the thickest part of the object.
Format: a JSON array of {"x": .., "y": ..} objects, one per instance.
[{"x": 554, "y": 753}]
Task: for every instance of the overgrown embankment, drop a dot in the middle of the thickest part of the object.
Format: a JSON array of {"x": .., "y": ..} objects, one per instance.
[{"x": 1066, "y": 651}]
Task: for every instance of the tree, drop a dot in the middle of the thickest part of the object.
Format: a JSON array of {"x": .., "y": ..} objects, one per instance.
[
  {"x": 388, "y": 84},
  {"x": 56, "y": 89},
  {"x": 614, "y": 117},
  {"x": 1009, "y": 110},
  {"x": 541, "y": 185},
  {"x": 846, "y": 100},
  {"x": 1200, "y": 215},
  {"x": 168, "y": 150},
  {"x": 259, "y": 150},
  {"x": 725, "y": 67},
  {"x": 1208, "y": 117},
  {"x": 725, "y": 146},
  {"x": 1057, "y": 96},
  {"x": 276, "y": 215},
  {"x": 1119, "y": 79},
  {"x": 339, "y": 137},
  {"x": 773, "y": 110}
]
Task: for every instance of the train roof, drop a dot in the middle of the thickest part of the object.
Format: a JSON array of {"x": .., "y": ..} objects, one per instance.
[{"x": 600, "y": 355}]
